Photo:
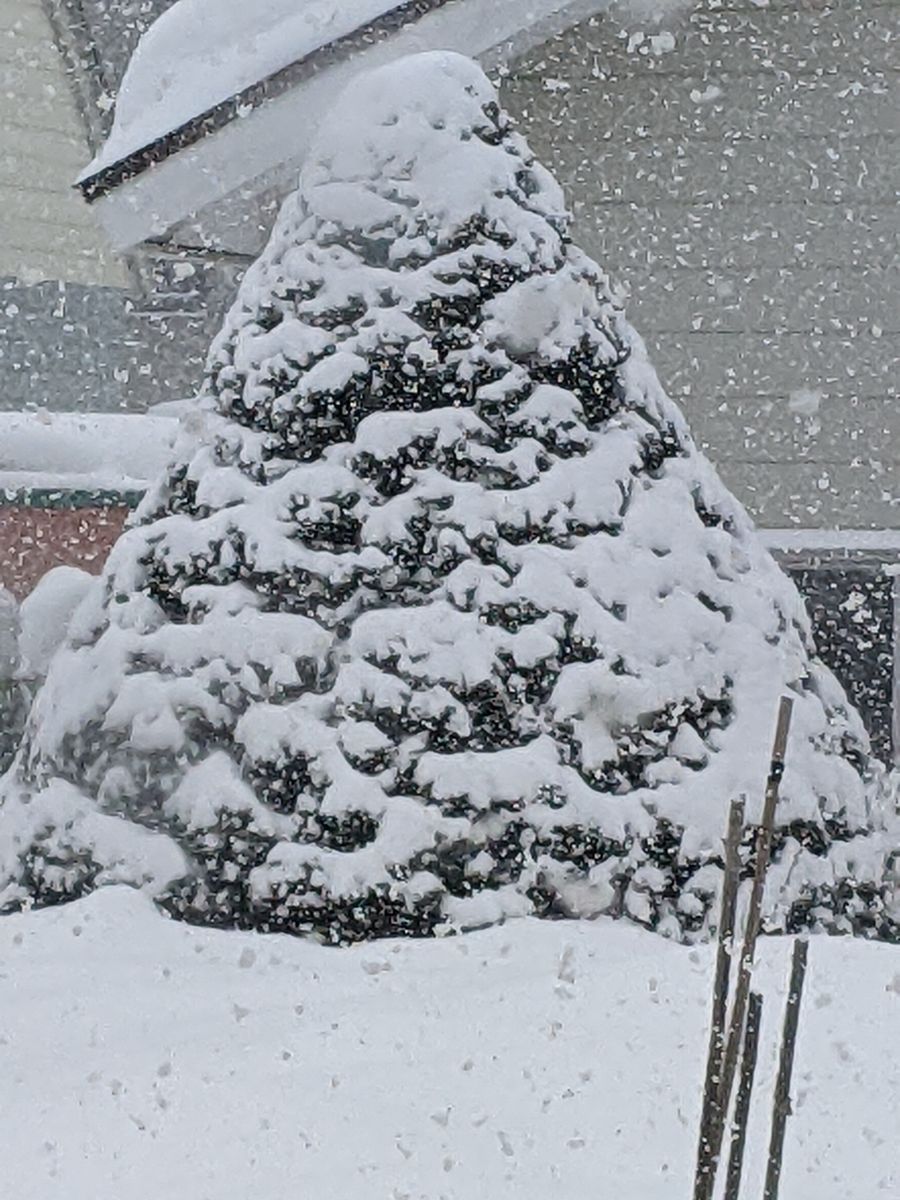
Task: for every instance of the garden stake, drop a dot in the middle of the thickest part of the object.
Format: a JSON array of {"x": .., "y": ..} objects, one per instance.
[
  {"x": 781, "y": 1108},
  {"x": 703, "y": 1178},
  {"x": 751, "y": 933},
  {"x": 742, "y": 1104}
]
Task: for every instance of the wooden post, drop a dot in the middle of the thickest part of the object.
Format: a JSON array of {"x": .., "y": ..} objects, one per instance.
[
  {"x": 751, "y": 932},
  {"x": 782, "y": 1104},
  {"x": 704, "y": 1177},
  {"x": 742, "y": 1104}
]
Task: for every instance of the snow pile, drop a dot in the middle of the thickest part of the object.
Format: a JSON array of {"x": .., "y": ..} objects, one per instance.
[
  {"x": 45, "y": 616},
  {"x": 146, "y": 1059},
  {"x": 104, "y": 452},
  {"x": 199, "y": 53},
  {"x": 443, "y": 618}
]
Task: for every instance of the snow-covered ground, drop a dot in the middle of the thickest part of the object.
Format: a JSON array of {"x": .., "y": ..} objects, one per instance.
[{"x": 144, "y": 1059}]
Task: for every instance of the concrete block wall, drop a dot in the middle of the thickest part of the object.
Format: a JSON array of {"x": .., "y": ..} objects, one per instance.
[{"x": 71, "y": 348}]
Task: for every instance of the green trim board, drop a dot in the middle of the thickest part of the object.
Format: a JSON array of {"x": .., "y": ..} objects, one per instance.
[{"x": 68, "y": 498}]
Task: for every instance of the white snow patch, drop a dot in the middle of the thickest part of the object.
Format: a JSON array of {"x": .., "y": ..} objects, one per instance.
[
  {"x": 885, "y": 541},
  {"x": 710, "y": 92},
  {"x": 662, "y": 43},
  {"x": 805, "y": 402},
  {"x": 147, "y": 1058}
]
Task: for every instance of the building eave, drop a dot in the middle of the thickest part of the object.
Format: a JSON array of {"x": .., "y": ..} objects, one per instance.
[
  {"x": 269, "y": 124},
  {"x": 99, "y": 182}
]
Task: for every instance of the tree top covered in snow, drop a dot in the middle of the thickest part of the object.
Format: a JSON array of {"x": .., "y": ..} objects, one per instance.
[{"x": 444, "y": 618}]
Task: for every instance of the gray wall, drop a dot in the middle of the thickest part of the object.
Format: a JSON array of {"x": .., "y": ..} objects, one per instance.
[
  {"x": 743, "y": 186},
  {"x": 79, "y": 328},
  {"x": 93, "y": 349}
]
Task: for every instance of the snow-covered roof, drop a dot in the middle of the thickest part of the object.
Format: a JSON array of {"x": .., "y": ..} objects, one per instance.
[
  {"x": 82, "y": 452},
  {"x": 200, "y": 53},
  {"x": 243, "y": 87}
]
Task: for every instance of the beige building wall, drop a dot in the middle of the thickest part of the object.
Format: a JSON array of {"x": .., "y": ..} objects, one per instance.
[
  {"x": 737, "y": 168},
  {"x": 46, "y": 229}
]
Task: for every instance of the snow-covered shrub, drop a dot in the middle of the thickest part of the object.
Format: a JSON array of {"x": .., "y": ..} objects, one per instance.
[
  {"x": 45, "y": 615},
  {"x": 446, "y": 619},
  {"x": 30, "y": 634}
]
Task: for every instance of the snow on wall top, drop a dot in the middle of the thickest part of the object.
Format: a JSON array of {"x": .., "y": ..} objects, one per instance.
[
  {"x": 71, "y": 450},
  {"x": 200, "y": 53}
]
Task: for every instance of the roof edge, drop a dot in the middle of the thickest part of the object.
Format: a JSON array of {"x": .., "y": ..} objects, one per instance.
[{"x": 99, "y": 182}]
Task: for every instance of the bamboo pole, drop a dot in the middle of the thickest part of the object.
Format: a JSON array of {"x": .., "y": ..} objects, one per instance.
[
  {"x": 781, "y": 1108},
  {"x": 703, "y": 1178},
  {"x": 745, "y": 1092},
  {"x": 751, "y": 933}
]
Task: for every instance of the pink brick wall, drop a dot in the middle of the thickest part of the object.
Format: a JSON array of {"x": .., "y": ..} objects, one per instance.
[{"x": 32, "y": 540}]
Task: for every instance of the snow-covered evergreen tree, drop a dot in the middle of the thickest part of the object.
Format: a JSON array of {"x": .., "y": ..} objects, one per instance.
[{"x": 440, "y": 616}]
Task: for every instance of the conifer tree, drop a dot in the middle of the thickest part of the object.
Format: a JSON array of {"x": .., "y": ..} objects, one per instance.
[{"x": 439, "y": 616}]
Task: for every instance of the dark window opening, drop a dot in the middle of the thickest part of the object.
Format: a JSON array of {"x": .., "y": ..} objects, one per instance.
[{"x": 852, "y": 612}]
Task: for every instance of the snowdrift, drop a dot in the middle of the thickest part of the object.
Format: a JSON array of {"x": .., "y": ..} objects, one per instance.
[{"x": 143, "y": 1058}]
